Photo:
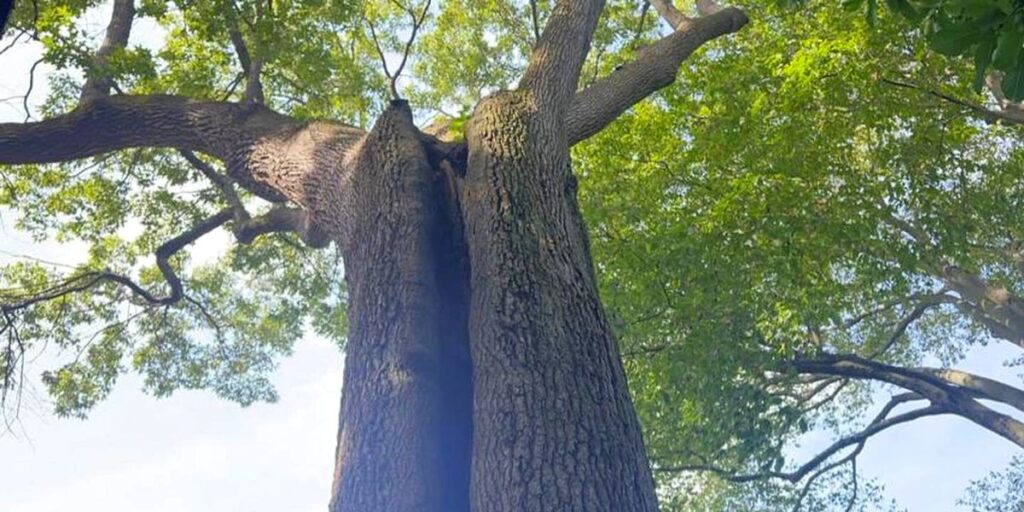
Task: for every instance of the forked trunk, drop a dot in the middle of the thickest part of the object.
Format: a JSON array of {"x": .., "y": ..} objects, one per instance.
[
  {"x": 545, "y": 412},
  {"x": 481, "y": 372}
]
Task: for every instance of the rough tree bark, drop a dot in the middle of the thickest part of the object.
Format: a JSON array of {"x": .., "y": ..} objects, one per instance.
[
  {"x": 481, "y": 373},
  {"x": 404, "y": 434}
]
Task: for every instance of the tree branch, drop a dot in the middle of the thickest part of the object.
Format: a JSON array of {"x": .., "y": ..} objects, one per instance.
[
  {"x": 252, "y": 68},
  {"x": 994, "y": 81},
  {"x": 981, "y": 387},
  {"x": 879, "y": 424},
  {"x": 222, "y": 182},
  {"x": 124, "y": 122},
  {"x": 417, "y": 22},
  {"x": 707, "y": 7},
  {"x": 939, "y": 296},
  {"x": 557, "y": 60},
  {"x": 247, "y": 228},
  {"x": 535, "y": 18},
  {"x": 1008, "y": 116},
  {"x": 995, "y": 307},
  {"x": 99, "y": 83},
  {"x": 282, "y": 219},
  {"x": 656, "y": 67},
  {"x": 272, "y": 155},
  {"x": 938, "y": 391},
  {"x": 901, "y": 328},
  {"x": 669, "y": 13},
  {"x": 172, "y": 246},
  {"x": 87, "y": 280}
]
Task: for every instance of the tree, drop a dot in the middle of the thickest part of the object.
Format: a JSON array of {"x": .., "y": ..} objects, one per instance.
[
  {"x": 481, "y": 369},
  {"x": 817, "y": 246},
  {"x": 760, "y": 288}
]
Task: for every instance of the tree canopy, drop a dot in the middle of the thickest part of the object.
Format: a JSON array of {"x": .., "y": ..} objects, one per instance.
[{"x": 808, "y": 231}]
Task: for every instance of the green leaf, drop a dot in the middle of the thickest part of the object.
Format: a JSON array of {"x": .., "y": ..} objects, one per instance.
[
  {"x": 982, "y": 58},
  {"x": 1011, "y": 39},
  {"x": 851, "y": 5},
  {"x": 978, "y": 8},
  {"x": 1013, "y": 81},
  {"x": 955, "y": 39},
  {"x": 904, "y": 8}
]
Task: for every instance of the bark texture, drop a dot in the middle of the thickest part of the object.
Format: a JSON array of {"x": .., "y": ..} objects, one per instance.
[
  {"x": 403, "y": 439},
  {"x": 481, "y": 372},
  {"x": 554, "y": 424}
]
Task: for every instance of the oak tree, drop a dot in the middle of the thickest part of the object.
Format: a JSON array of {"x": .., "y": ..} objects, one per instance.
[
  {"x": 808, "y": 232},
  {"x": 481, "y": 369}
]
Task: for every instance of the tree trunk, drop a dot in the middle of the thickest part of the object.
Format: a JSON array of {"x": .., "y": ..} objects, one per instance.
[
  {"x": 544, "y": 406},
  {"x": 481, "y": 371},
  {"x": 555, "y": 427},
  {"x": 404, "y": 432}
]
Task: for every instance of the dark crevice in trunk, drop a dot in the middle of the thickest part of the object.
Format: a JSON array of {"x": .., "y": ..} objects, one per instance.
[
  {"x": 452, "y": 276},
  {"x": 481, "y": 372},
  {"x": 405, "y": 430}
]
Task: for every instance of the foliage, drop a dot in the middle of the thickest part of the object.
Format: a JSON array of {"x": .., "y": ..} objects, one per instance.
[
  {"x": 1002, "y": 492},
  {"x": 839, "y": 491},
  {"x": 991, "y": 32},
  {"x": 739, "y": 219}
]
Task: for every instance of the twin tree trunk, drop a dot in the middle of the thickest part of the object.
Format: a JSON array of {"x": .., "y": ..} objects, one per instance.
[{"x": 481, "y": 373}]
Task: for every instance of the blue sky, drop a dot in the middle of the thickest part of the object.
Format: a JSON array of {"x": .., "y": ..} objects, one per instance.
[{"x": 195, "y": 452}]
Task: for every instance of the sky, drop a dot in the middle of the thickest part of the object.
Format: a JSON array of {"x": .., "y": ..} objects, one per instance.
[{"x": 193, "y": 451}]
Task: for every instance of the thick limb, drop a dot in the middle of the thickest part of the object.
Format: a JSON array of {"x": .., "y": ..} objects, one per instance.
[
  {"x": 941, "y": 392},
  {"x": 655, "y": 68}
]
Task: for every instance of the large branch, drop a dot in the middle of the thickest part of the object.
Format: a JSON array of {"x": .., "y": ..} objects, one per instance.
[
  {"x": 994, "y": 306},
  {"x": 1012, "y": 110},
  {"x": 99, "y": 83},
  {"x": 982, "y": 387},
  {"x": 670, "y": 13},
  {"x": 557, "y": 60},
  {"x": 937, "y": 390},
  {"x": 656, "y": 67},
  {"x": 123, "y": 122},
  {"x": 282, "y": 219},
  {"x": 270, "y": 154},
  {"x": 879, "y": 424}
]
